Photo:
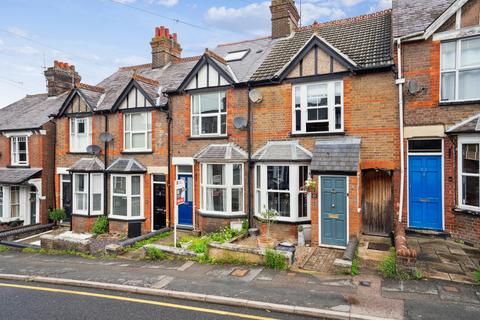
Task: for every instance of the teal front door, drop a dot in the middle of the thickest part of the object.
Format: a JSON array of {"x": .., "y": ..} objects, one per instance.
[{"x": 333, "y": 200}]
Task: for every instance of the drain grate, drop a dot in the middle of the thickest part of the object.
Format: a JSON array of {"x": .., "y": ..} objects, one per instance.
[
  {"x": 239, "y": 272},
  {"x": 378, "y": 246}
]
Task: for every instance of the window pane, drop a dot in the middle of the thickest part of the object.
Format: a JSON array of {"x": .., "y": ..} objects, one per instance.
[
  {"x": 127, "y": 122},
  {"x": 448, "y": 86},
  {"x": 196, "y": 105},
  {"x": 136, "y": 185},
  {"x": 470, "y": 55},
  {"x": 317, "y": 95},
  {"x": 81, "y": 201},
  {"x": 80, "y": 183},
  {"x": 216, "y": 174},
  {"x": 448, "y": 55},
  {"x": 259, "y": 176},
  {"x": 149, "y": 140},
  {"x": 210, "y": 124},
  {"x": 223, "y": 102},
  {"x": 302, "y": 205},
  {"x": 338, "y": 93},
  {"x": 119, "y": 185},
  {"x": 128, "y": 143},
  {"x": 470, "y": 191},
  {"x": 195, "y": 125},
  {"x": 119, "y": 206},
  {"x": 302, "y": 175},
  {"x": 96, "y": 202},
  {"x": 278, "y": 177},
  {"x": 209, "y": 103},
  {"x": 184, "y": 169},
  {"x": 216, "y": 199},
  {"x": 318, "y": 114},
  {"x": 138, "y": 140},
  {"x": 425, "y": 145},
  {"x": 259, "y": 202},
  {"x": 298, "y": 120},
  {"x": 317, "y": 126},
  {"x": 297, "y": 97},
  {"x": 237, "y": 174},
  {"x": 237, "y": 200},
  {"x": 470, "y": 158},
  {"x": 81, "y": 126},
  {"x": 279, "y": 202},
  {"x": 338, "y": 118},
  {"x": 14, "y": 202},
  {"x": 223, "y": 124},
  {"x": 139, "y": 121},
  {"x": 136, "y": 207},
  {"x": 469, "y": 84}
]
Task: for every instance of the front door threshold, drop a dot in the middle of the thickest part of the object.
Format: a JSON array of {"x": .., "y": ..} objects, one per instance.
[{"x": 427, "y": 232}]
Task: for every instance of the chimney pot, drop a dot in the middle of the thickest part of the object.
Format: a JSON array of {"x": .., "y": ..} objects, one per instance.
[
  {"x": 285, "y": 18},
  {"x": 167, "y": 33},
  {"x": 165, "y": 48},
  {"x": 61, "y": 77},
  {"x": 175, "y": 37}
]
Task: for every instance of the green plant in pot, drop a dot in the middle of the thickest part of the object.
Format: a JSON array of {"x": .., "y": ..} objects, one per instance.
[
  {"x": 57, "y": 215},
  {"x": 268, "y": 217}
]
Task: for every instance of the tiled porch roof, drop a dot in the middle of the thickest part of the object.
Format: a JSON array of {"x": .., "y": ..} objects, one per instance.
[
  {"x": 125, "y": 165},
  {"x": 88, "y": 165},
  {"x": 221, "y": 152},
  {"x": 17, "y": 175},
  {"x": 340, "y": 155},
  {"x": 283, "y": 151}
]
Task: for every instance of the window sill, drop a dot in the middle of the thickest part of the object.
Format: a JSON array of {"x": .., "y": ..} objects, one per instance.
[
  {"x": 471, "y": 212},
  {"x": 290, "y": 221},
  {"x": 458, "y": 103},
  {"x": 209, "y": 138},
  {"x": 310, "y": 134},
  {"x": 221, "y": 215},
  {"x": 137, "y": 152},
  {"x": 79, "y": 153},
  {"x": 122, "y": 218},
  {"x": 15, "y": 166}
]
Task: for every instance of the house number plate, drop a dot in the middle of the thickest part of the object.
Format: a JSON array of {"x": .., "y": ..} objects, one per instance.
[{"x": 333, "y": 216}]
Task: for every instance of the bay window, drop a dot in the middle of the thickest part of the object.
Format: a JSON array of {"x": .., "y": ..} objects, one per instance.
[
  {"x": 279, "y": 187},
  {"x": 137, "y": 131},
  {"x": 209, "y": 114},
  {"x": 469, "y": 173},
  {"x": 19, "y": 146},
  {"x": 318, "y": 107},
  {"x": 88, "y": 195},
  {"x": 15, "y": 202},
  {"x": 222, "y": 188},
  {"x": 80, "y": 134},
  {"x": 127, "y": 196},
  {"x": 460, "y": 70}
]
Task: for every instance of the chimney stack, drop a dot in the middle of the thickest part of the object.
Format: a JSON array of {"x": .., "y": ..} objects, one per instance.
[
  {"x": 165, "y": 48},
  {"x": 285, "y": 18},
  {"x": 61, "y": 78}
]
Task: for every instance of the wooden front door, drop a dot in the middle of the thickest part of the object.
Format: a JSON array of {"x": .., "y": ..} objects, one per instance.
[{"x": 377, "y": 204}]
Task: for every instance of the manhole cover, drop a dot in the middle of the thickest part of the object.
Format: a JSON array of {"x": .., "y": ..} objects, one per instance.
[
  {"x": 450, "y": 289},
  {"x": 378, "y": 246},
  {"x": 239, "y": 272}
]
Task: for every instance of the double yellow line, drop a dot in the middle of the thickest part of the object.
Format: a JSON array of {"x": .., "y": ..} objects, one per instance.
[{"x": 143, "y": 301}]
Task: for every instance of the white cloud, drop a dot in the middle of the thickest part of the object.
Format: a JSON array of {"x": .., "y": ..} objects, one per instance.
[
  {"x": 166, "y": 3},
  {"x": 125, "y": 1},
  {"x": 315, "y": 12},
  {"x": 25, "y": 50},
  {"x": 131, "y": 61},
  {"x": 351, "y": 3},
  {"x": 17, "y": 31},
  {"x": 381, "y": 5},
  {"x": 253, "y": 18}
]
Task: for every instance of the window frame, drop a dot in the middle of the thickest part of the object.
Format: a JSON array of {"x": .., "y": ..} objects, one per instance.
[
  {"x": 462, "y": 140},
  {"x": 294, "y": 190},
  {"x": 17, "y": 204},
  {"x": 457, "y": 69},
  {"x": 88, "y": 176},
  {"x": 74, "y": 135},
  {"x": 218, "y": 114},
  {"x": 148, "y": 132},
  {"x": 331, "y": 107},
  {"x": 228, "y": 186},
  {"x": 15, "y": 151},
  {"x": 129, "y": 196}
]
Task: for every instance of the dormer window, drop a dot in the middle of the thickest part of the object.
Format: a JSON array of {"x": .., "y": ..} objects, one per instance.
[
  {"x": 209, "y": 114},
  {"x": 236, "y": 55},
  {"x": 19, "y": 151},
  {"x": 80, "y": 134}
]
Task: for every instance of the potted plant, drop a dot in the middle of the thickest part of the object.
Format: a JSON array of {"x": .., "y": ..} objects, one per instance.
[
  {"x": 267, "y": 217},
  {"x": 310, "y": 186},
  {"x": 57, "y": 215},
  {"x": 301, "y": 236}
]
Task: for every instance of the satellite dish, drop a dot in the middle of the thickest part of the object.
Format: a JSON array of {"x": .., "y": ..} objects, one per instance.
[
  {"x": 94, "y": 149},
  {"x": 255, "y": 95},
  {"x": 106, "y": 137},
  {"x": 239, "y": 123},
  {"x": 413, "y": 87}
]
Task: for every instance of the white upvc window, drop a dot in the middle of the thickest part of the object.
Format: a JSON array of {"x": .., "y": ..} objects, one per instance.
[
  {"x": 460, "y": 70},
  {"x": 127, "y": 196},
  {"x": 317, "y": 107},
  {"x": 19, "y": 148},
  {"x": 222, "y": 188},
  {"x": 279, "y": 187},
  {"x": 80, "y": 193},
  {"x": 96, "y": 193},
  {"x": 209, "y": 114},
  {"x": 88, "y": 195},
  {"x": 137, "y": 132},
  {"x": 14, "y": 202},
  {"x": 469, "y": 172},
  {"x": 80, "y": 134}
]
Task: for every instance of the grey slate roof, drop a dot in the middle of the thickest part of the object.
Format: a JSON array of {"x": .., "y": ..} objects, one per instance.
[
  {"x": 30, "y": 112},
  {"x": 415, "y": 16},
  {"x": 283, "y": 151},
  {"x": 126, "y": 165},
  {"x": 469, "y": 125},
  {"x": 336, "y": 155},
  {"x": 365, "y": 39},
  {"x": 92, "y": 97},
  {"x": 87, "y": 165},
  {"x": 17, "y": 175},
  {"x": 221, "y": 152}
]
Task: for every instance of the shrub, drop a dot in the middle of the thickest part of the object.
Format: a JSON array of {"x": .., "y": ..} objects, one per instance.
[
  {"x": 388, "y": 267},
  {"x": 4, "y": 248},
  {"x": 275, "y": 260},
  {"x": 100, "y": 226},
  {"x": 477, "y": 275},
  {"x": 355, "y": 265},
  {"x": 155, "y": 254},
  {"x": 57, "y": 215}
]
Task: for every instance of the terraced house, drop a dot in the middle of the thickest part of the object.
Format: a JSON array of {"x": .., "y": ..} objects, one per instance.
[{"x": 438, "y": 45}]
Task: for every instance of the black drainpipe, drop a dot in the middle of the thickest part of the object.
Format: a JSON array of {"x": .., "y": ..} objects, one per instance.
[
  {"x": 105, "y": 179},
  {"x": 250, "y": 162},
  {"x": 169, "y": 154}
]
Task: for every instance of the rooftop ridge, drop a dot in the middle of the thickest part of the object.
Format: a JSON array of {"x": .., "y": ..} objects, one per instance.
[
  {"x": 135, "y": 67},
  {"x": 344, "y": 21},
  {"x": 89, "y": 87},
  {"x": 243, "y": 41},
  {"x": 36, "y": 95},
  {"x": 146, "y": 80},
  {"x": 188, "y": 59},
  {"x": 215, "y": 56}
]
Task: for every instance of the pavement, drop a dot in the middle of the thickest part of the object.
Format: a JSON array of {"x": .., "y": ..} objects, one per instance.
[{"x": 342, "y": 296}]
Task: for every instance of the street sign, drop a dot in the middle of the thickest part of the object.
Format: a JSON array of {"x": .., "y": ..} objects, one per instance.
[{"x": 180, "y": 191}]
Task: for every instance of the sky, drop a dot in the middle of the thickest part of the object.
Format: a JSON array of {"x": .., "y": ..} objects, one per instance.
[{"x": 99, "y": 36}]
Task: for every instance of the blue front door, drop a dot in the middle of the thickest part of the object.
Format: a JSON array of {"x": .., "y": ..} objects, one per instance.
[
  {"x": 425, "y": 192},
  {"x": 334, "y": 211},
  {"x": 185, "y": 211}
]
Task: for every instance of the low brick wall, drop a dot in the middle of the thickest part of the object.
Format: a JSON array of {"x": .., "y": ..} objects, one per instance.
[
  {"x": 62, "y": 242},
  {"x": 467, "y": 228},
  {"x": 244, "y": 254},
  {"x": 82, "y": 224},
  {"x": 279, "y": 231},
  {"x": 406, "y": 258}
]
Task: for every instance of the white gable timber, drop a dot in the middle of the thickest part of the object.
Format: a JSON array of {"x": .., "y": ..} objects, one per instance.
[
  {"x": 77, "y": 105},
  {"x": 456, "y": 6},
  {"x": 207, "y": 77},
  {"x": 316, "y": 62},
  {"x": 135, "y": 99}
]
